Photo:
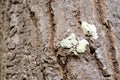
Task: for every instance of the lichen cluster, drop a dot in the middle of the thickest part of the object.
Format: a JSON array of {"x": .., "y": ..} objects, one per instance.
[
  {"x": 79, "y": 46},
  {"x": 89, "y": 29},
  {"x": 69, "y": 42},
  {"x": 74, "y": 44}
]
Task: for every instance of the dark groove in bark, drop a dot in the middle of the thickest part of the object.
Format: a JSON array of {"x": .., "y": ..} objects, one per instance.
[
  {"x": 35, "y": 21},
  {"x": 100, "y": 12},
  {"x": 100, "y": 67},
  {"x": 62, "y": 61},
  {"x": 97, "y": 60},
  {"x": 32, "y": 16},
  {"x": 52, "y": 25},
  {"x": 1, "y": 63},
  {"x": 43, "y": 76},
  {"x": 1, "y": 38},
  {"x": 100, "y": 8},
  {"x": 111, "y": 48},
  {"x": 77, "y": 16}
]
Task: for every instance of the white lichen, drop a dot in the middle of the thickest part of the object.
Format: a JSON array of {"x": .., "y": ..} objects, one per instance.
[
  {"x": 75, "y": 46},
  {"x": 65, "y": 43},
  {"x": 82, "y": 44},
  {"x": 89, "y": 29},
  {"x": 79, "y": 46},
  {"x": 69, "y": 42}
]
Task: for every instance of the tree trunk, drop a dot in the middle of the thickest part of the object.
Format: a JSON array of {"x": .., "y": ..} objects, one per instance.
[{"x": 31, "y": 31}]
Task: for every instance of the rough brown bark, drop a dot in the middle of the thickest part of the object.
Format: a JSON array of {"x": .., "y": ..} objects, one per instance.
[{"x": 31, "y": 30}]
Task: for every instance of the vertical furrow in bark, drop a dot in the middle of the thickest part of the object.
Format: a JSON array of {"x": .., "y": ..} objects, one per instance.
[
  {"x": 51, "y": 69},
  {"x": 1, "y": 37},
  {"x": 111, "y": 49},
  {"x": 109, "y": 40},
  {"x": 52, "y": 26},
  {"x": 62, "y": 61}
]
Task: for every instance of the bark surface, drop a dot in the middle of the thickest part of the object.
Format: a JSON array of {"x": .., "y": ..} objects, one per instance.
[{"x": 31, "y": 31}]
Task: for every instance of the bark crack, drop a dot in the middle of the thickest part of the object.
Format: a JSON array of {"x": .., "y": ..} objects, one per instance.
[
  {"x": 106, "y": 26},
  {"x": 52, "y": 25},
  {"x": 111, "y": 49},
  {"x": 32, "y": 16},
  {"x": 62, "y": 61}
]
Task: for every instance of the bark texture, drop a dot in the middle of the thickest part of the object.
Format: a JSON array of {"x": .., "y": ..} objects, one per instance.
[{"x": 31, "y": 30}]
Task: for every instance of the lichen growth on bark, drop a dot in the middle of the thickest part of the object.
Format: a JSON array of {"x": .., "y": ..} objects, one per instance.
[
  {"x": 89, "y": 29},
  {"x": 75, "y": 46}
]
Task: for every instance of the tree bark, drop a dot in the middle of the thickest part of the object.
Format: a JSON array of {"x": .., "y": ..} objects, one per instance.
[{"x": 31, "y": 31}]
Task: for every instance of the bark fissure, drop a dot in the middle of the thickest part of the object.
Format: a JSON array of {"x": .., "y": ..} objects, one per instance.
[
  {"x": 62, "y": 61},
  {"x": 106, "y": 27},
  {"x": 100, "y": 67},
  {"x": 32, "y": 16},
  {"x": 43, "y": 74},
  {"x": 111, "y": 48},
  {"x": 52, "y": 25},
  {"x": 77, "y": 16}
]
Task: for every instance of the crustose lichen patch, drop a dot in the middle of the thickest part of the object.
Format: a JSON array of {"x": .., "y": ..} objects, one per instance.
[
  {"x": 75, "y": 46},
  {"x": 79, "y": 46},
  {"x": 89, "y": 29}
]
